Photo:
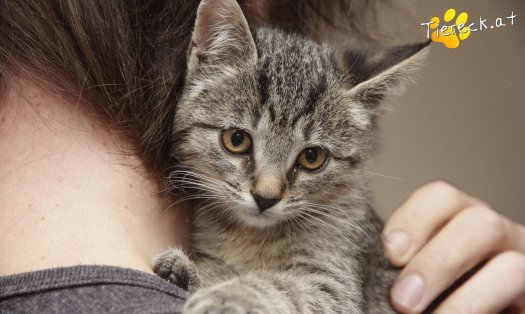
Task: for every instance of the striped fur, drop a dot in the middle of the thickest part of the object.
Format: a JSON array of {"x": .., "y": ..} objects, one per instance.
[{"x": 318, "y": 250}]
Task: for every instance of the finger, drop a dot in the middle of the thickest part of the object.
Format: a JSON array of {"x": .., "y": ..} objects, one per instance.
[
  {"x": 448, "y": 256},
  {"x": 496, "y": 286},
  {"x": 517, "y": 241},
  {"x": 420, "y": 217}
]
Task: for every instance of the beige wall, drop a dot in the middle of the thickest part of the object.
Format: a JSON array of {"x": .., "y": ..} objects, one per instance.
[{"x": 464, "y": 120}]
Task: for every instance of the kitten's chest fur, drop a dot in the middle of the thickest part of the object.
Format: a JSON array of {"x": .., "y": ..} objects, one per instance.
[{"x": 336, "y": 243}]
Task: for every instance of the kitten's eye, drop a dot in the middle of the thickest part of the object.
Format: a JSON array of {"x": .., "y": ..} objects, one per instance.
[
  {"x": 237, "y": 141},
  {"x": 312, "y": 158}
]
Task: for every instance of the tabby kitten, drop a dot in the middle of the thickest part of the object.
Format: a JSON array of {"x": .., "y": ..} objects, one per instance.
[{"x": 272, "y": 138}]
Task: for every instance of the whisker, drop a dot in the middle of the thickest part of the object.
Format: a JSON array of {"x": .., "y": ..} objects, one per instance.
[{"x": 385, "y": 176}]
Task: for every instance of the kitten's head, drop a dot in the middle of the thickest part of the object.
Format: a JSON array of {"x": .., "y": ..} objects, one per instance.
[{"x": 273, "y": 126}]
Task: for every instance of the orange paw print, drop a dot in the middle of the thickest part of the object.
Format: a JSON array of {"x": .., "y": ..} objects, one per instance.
[{"x": 452, "y": 34}]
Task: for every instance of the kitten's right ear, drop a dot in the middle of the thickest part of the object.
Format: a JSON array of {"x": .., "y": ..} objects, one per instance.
[
  {"x": 377, "y": 73},
  {"x": 221, "y": 38}
]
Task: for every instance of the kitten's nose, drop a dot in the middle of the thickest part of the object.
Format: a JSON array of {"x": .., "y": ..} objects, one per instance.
[{"x": 264, "y": 203}]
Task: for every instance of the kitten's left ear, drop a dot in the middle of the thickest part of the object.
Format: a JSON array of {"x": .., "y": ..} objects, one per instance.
[
  {"x": 376, "y": 74},
  {"x": 221, "y": 38}
]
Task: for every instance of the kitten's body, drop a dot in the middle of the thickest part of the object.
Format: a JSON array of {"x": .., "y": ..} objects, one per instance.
[
  {"x": 341, "y": 255},
  {"x": 317, "y": 249}
]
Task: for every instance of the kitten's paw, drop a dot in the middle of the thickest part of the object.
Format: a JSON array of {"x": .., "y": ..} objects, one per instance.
[
  {"x": 177, "y": 268},
  {"x": 225, "y": 299}
]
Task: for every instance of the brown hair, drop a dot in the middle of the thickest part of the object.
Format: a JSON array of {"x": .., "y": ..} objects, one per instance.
[{"x": 126, "y": 59}]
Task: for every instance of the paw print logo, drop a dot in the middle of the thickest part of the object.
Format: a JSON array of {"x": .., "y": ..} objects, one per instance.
[{"x": 451, "y": 35}]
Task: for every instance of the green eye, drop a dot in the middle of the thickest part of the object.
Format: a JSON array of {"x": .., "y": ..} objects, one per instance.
[
  {"x": 237, "y": 141},
  {"x": 312, "y": 158}
]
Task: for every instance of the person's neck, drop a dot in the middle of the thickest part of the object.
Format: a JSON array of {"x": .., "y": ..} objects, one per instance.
[{"x": 68, "y": 193}]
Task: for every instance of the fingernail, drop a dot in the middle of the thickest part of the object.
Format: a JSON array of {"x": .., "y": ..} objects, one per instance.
[
  {"x": 408, "y": 291},
  {"x": 397, "y": 243}
]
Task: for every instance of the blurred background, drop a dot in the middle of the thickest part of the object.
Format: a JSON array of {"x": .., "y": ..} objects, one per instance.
[{"x": 464, "y": 118}]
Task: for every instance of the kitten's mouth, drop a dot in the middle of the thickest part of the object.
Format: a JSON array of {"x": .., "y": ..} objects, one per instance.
[{"x": 255, "y": 218}]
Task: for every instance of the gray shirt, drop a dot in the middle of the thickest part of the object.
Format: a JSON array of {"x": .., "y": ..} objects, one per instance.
[{"x": 89, "y": 289}]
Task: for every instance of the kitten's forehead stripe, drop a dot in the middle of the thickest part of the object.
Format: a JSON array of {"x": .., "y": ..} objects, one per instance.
[
  {"x": 256, "y": 117},
  {"x": 264, "y": 81},
  {"x": 271, "y": 110},
  {"x": 314, "y": 94},
  {"x": 291, "y": 78}
]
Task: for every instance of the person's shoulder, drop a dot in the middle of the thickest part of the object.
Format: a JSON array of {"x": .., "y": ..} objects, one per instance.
[{"x": 89, "y": 289}]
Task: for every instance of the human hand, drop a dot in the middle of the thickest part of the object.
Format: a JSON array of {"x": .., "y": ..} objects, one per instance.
[{"x": 438, "y": 235}]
